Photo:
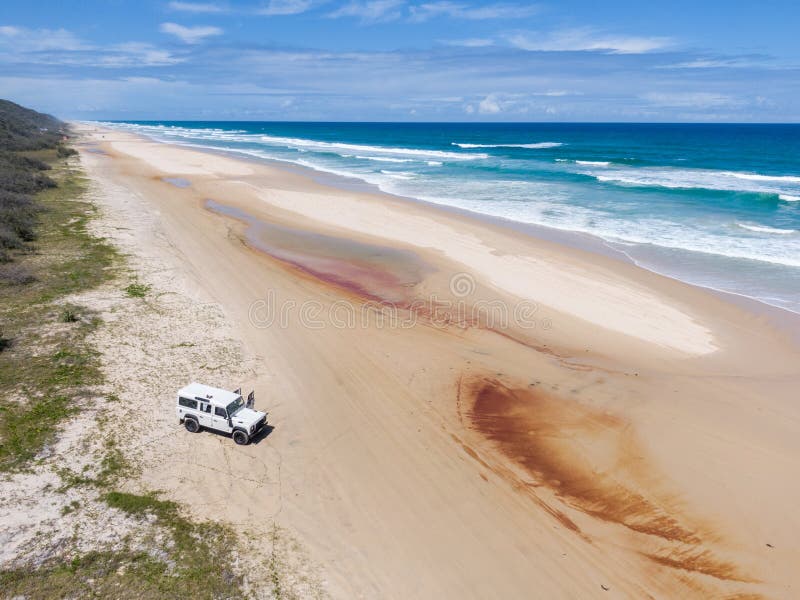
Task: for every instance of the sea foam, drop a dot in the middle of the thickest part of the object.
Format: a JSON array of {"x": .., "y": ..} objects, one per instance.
[
  {"x": 399, "y": 174},
  {"x": 757, "y": 177},
  {"x": 380, "y": 158},
  {"x": 765, "y": 229},
  {"x": 672, "y": 178},
  {"x": 537, "y": 145},
  {"x": 334, "y": 146}
]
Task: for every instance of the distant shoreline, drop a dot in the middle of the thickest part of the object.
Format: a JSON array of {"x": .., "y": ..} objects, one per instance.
[{"x": 781, "y": 317}]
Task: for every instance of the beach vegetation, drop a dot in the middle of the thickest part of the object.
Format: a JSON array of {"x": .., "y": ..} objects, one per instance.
[
  {"x": 181, "y": 559},
  {"x": 137, "y": 290},
  {"x": 45, "y": 374},
  {"x": 69, "y": 314},
  {"x": 25, "y": 137},
  {"x": 63, "y": 151},
  {"x": 195, "y": 564},
  {"x": 23, "y": 129}
]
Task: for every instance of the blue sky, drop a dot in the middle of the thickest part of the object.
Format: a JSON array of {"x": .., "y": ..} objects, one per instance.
[{"x": 404, "y": 60}]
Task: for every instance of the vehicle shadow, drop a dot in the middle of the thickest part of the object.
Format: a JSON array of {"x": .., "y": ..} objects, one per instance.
[
  {"x": 256, "y": 439},
  {"x": 262, "y": 435}
]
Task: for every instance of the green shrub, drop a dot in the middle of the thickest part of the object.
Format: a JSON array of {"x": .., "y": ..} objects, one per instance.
[
  {"x": 69, "y": 315},
  {"x": 134, "y": 504},
  {"x": 137, "y": 290},
  {"x": 64, "y": 151},
  {"x": 25, "y": 129}
]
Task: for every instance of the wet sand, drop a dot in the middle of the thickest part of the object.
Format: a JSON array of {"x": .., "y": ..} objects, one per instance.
[
  {"x": 374, "y": 272},
  {"x": 464, "y": 410}
]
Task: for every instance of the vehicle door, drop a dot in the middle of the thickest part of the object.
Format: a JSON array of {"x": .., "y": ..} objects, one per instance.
[
  {"x": 204, "y": 413},
  {"x": 220, "y": 420}
]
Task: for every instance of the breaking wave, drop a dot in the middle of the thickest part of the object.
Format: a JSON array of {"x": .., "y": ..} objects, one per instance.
[
  {"x": 538, "y": 145},
  {"x": 765, "y": 229}
]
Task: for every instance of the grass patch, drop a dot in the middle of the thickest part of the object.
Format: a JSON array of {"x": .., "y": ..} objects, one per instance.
[
  {"x": 45, "y": 374},
  {"x": 113, "y": 467},
  {"x": 137, "y": 290},
  {"x": 126, "y": 575},
  {"x": 71, "y": 507},
  {"x": 196, "y": 561},
  {"x": 28, "y": 428},
  {"x": 182, "y": 559},
  {"x": 184, "y": 345},
  {"x": 69, "y": 314},
  {"x": 274, "y": 568},
  {"x": 139, "y": 505}
]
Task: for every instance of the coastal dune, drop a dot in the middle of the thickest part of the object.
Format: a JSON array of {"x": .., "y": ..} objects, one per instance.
[{"x": 462, "y": 410}]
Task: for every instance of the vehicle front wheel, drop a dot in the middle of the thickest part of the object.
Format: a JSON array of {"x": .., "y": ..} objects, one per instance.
[
  {"x": 191, "y": 425},
  {"x": 240, "y": 437}
]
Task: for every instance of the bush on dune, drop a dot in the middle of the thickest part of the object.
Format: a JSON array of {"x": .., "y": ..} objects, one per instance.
[
  {"x": 18, "y": 218},
  {"x": 21, "y": 176},
  {"x": 25, "y": 129}
]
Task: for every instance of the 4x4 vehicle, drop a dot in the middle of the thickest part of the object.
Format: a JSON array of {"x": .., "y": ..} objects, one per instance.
[{"x": 205, "y": 406}]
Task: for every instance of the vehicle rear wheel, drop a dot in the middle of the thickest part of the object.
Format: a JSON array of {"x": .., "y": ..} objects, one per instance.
[
  {"x": 240, "y": 437},
  {"x": 191, "y": 425}
]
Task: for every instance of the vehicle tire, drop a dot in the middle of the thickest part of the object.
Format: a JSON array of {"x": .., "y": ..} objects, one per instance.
[
  {"x": 192, "y": 426},
  {"x": 240, "y": 437}
]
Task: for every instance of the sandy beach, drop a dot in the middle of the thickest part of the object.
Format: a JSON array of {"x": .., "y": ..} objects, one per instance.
[{"x": 460, "y": 409}]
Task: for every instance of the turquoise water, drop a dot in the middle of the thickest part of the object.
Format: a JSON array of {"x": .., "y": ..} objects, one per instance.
[{"x": 714, "y": 205}]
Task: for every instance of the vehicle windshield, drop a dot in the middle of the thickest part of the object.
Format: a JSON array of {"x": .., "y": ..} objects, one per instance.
[{"x": 235, "y": 406}]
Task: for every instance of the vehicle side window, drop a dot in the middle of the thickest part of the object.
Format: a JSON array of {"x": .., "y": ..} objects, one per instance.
[
  {"x": 220, "y": 412},
  {"x": 187, "y": 403}
]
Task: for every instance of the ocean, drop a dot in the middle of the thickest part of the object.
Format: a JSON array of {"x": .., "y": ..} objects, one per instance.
[{"x": 715, "y": 205}]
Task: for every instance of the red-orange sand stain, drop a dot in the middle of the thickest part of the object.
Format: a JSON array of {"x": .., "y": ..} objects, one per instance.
[
  {"x": 379, "y": 273},
  {"x": 548, "y": 436}
]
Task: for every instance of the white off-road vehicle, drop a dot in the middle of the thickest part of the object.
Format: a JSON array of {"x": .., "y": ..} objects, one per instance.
[{"x": 204, "y": 406}]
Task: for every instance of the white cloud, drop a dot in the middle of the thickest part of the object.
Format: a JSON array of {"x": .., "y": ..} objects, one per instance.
[
  {"x": 271, "y": 8},
  {"x": 457, "y": 10},
  {"x": 719, "y": 63},
  {"x": 190, "y": 35},
  {"x": 197, "y": 7},
  {"x": 22, "y": 39},
  {"x": 137, "y": 54},
  {"x": 286, "y": 7},
  {"x": 556, "y": 93},
  {"x": 469, "y": 42},
  {"x": 489, "y": 105},
  {"x": 391, "y": 10},
  {"x": 61, "y": 47},
  {"x": 700, "y": 63},
  {"x": 584, "y": 38},
  {"x": 371, "y": 11},
  {"x": 690, "y": 99}
]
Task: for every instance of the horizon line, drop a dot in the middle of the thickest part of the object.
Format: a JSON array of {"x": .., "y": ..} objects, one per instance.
[{"x": 422, "y": 122}]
